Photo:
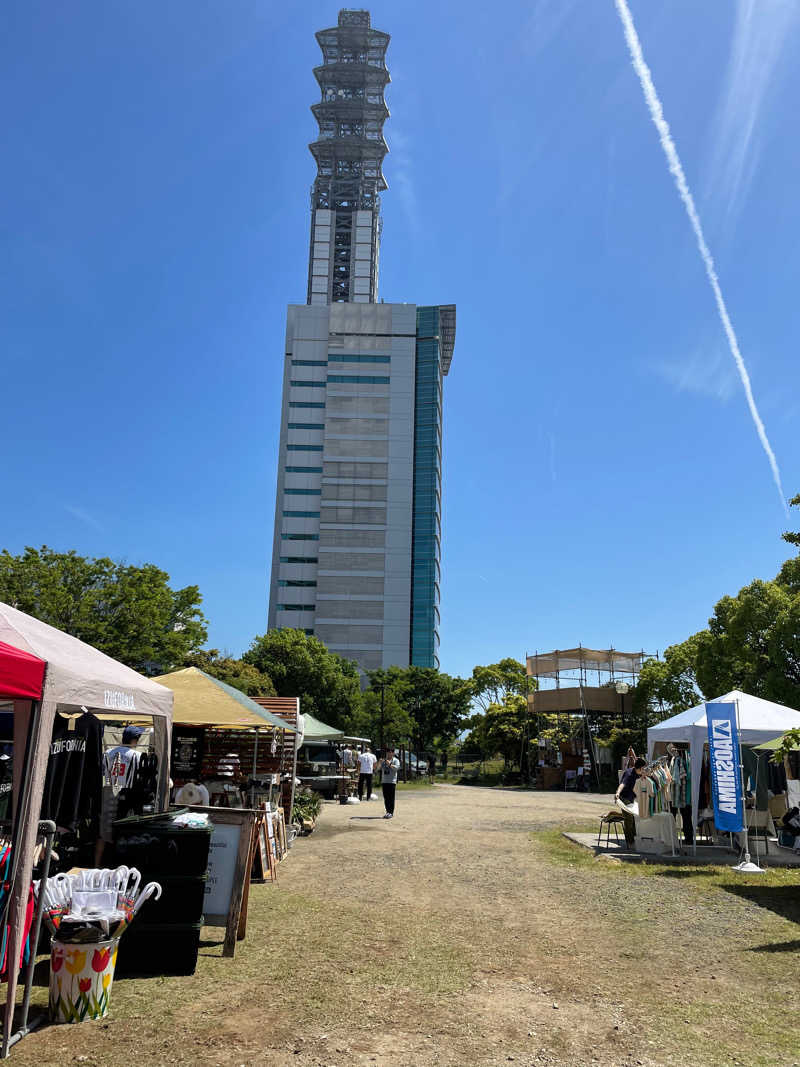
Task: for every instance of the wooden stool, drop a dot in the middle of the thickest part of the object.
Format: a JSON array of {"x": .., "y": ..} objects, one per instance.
[{"x": 613, "y": 818}]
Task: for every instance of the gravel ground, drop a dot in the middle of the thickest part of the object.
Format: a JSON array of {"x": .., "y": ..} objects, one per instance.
[{"x": 466, "y": 931}]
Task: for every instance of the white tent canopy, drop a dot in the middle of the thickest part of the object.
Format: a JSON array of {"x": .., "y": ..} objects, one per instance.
[
  {"x": 759, "y": 721},
  {"x": 76, "y": 675}
]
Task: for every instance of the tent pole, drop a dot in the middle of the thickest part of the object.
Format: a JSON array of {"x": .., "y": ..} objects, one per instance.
[
  {"x": 21, "y": 815},
  {"x": 255, "y": 771},
  {"x": 48, "y": 829}
]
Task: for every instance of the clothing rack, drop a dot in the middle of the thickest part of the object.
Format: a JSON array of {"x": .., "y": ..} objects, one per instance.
[{"x": 651, "y": 766}]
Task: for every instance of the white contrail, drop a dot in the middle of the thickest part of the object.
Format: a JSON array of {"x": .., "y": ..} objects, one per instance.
[{"x": 671, "y": 152}]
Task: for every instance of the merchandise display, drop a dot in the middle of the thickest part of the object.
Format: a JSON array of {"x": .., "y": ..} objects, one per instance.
[
  {"x": 87, "y": 912},
  {"x": 92, "y": 779},
  {"x": 58, "y": 687},
  {"x": 74, "y": 778}
]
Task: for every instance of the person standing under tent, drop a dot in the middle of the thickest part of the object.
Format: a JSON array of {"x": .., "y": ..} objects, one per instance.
[
  {"x": 119, "y": 771},
  {"x": 346, "y": 754},
  {"x": 366, "y": 768},
  {"x": 389, "y": 766},
  {"x": 626, "y": 794}
]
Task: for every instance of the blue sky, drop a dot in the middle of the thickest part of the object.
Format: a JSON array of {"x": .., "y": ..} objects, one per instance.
[{"x": 603, "y": 479}]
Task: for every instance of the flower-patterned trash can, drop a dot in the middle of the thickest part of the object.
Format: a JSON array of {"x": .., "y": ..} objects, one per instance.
[{"x": 80, "y": 980}]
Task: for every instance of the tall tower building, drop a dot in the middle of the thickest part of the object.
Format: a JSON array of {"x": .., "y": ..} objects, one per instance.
[{"x": 357, "y": 542}]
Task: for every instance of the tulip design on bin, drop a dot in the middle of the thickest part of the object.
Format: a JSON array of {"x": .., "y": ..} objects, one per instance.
[
  {"x": 80, "y": 981},
  {"x": 87, "y": 912}
]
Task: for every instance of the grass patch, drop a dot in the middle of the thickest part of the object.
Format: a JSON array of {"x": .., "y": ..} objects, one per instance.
[{"x": 703, "y": 876}]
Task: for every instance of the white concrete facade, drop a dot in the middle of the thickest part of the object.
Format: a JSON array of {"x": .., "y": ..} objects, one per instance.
[{"x": 341, "y": 561}]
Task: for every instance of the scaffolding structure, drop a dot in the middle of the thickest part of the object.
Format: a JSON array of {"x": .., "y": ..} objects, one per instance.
[
  {"x": 349, "y": 152},
  {"x": 561, "y": 683},
  {"x": 565, "y": 681}
]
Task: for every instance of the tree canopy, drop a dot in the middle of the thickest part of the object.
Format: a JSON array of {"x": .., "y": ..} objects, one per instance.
[
  {"x": 494, "y": 683},
  {"x": 242, "y": 676},
  {"x": 300, "y": 665},
  {"x": 128, "y": 612},
  {"x": 752, "y": 643},
  {"x": 422, "y": 707},
  {"x": 499, "y": 730}
]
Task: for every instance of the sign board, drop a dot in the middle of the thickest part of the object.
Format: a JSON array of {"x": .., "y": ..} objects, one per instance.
[
  {"x": 188, "y": 744},
  {"x": 221, "y": 864},
  {"x": 228, "y": 875},
  {"x": 726, "y": 770}
]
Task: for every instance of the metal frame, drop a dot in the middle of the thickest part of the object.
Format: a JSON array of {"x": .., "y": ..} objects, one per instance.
[
  {"x": 350, "y": 148},
  {"x": 47, "y": 830}
]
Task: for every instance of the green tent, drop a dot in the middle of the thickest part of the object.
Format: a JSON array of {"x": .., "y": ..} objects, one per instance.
[
  {"x": 774, "y": 744},
  {"x": 320, "y": 731}
]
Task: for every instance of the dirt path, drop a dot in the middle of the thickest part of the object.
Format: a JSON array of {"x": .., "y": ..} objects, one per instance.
[{"x": 455, "y": 934}]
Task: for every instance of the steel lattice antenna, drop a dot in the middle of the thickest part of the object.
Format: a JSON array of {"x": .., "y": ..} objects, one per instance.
[{"x": 349, "y": 152}]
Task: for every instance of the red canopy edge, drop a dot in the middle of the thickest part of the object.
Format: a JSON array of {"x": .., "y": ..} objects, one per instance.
[{"x": 21, "y": 673}]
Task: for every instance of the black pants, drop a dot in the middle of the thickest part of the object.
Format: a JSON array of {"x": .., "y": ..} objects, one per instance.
[
  {"x": 388, "y": 796},
  {"x": 364, "y": 780},
  {"x": 630, "y": 829}
]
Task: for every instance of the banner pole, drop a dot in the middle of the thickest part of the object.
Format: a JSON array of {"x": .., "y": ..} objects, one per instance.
[
  {"x": 746, "y": 867},
  {"x": 741, "y": 775}
]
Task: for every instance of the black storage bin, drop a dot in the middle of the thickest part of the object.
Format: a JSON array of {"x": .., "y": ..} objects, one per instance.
[
  {"x": 159, "y": 848},
  {"x": 163, "y": 949},
  {"x": 181, "y": 902}
]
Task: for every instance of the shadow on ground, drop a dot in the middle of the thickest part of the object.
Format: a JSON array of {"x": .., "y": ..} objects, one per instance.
[{"x": 782, "y": 899}]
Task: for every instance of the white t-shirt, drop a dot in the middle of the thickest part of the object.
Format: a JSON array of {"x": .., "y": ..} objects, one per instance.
[
  {"x": 119, "y": 766},
  {"x": 366, "y": 762}
]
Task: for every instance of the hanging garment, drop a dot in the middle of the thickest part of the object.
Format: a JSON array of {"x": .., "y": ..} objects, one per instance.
[
  {"x": 5, "y": 786},
  {"x": 5, "y": 863},
  {"x": 74, "y": 778}
]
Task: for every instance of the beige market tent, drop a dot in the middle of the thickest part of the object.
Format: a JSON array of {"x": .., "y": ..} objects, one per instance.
[
  {"x": 76, "y": 676},
  {"x": 202, "y": 700}
]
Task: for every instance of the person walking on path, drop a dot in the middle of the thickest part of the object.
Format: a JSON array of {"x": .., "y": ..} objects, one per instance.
[
  {"x": 389, "y": 767},
  {"x": 626, "y": 794},
  {"x": 366, "y": 766}
]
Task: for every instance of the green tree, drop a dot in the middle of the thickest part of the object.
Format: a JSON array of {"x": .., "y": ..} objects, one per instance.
[
  {"x": 753, "y": 644},
  {"x": 128, "y": 612},
  {"x": 380, "y": 715},
  {"x": 499, "y": 730},
  {"x": 669, "y": 685},
  {"x": 421, "y": 706},
  {"x": 300, "y": 665},
  {"x": 494, "y": 683},
  {"x": 437, "y": 704},
  {"x": 242, "y": 676}
]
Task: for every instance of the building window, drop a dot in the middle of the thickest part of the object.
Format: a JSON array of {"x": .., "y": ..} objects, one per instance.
[
  {"x": 303, "y": 492},
  {"x": 298, "y": 559},
  {"x": 304, "y": 448},
  {"x": 301, "y": 514},
  {"x": 296, "y": 607},
  {"x": 308, "y": 385},
  {"x": 303, "y": 470},
  {"x": 306, "y": 404},
  {"x": 358, "y": 359},
  {"x": 296, "y": 583},
  {"x": 358, "y": 379},
  {"x": 308, "y": 363},
  {"x": 305, "y": 426},
  {"x": 299, "y": 537}
]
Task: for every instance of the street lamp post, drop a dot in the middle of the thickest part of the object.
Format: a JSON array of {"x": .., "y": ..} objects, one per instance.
[{"x": 383, "y": 688}]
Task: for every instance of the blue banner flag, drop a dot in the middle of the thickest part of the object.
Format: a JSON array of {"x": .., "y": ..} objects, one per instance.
[{"x": 726, "y": 771}]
